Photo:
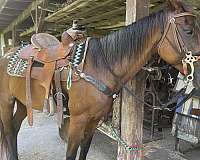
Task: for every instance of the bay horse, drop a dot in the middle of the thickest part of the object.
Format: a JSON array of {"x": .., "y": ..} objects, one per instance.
[{"x": 113, "y": 59}]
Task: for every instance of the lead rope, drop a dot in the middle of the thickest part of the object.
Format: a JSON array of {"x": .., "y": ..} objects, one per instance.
[
  {"x": 69, "y": 77},
  {"x": 122, "y": 142}
]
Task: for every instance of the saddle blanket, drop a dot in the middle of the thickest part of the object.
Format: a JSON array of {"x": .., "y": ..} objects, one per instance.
[{"x": 17, "y": 66}]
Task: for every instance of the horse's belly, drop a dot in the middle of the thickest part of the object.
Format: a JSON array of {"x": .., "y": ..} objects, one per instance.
[{"x": 18, "y": 88}]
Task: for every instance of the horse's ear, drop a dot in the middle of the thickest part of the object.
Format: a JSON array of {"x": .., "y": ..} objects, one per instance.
[{"x": 175, "y": 5}]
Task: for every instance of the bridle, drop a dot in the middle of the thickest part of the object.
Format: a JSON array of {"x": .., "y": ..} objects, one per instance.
[
  {"x": 189, "y": 59},
  {"x": 179, "y": 45}
]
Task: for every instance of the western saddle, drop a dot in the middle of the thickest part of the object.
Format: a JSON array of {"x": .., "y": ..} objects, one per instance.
[{"x": 52, "y": 55}]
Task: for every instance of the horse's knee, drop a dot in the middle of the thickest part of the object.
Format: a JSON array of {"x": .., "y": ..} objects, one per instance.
[
  {"x": 85, "y": 145},
  {"x": 75, "y": 136},
  {"x": 86, "y": 142},
  {"x": 63, "y": 131}
]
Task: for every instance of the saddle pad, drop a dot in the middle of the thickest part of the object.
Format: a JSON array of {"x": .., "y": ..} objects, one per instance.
[{"x": 16, "y": 65}]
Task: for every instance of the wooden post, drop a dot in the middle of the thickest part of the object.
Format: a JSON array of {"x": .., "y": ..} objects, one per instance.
[
  {"x": 41, "y": 17},
  {"x": 40, "y": 14},
  {"x": 132, "y": 110},
  {"x": 13, "y": 37},
  {"x": 36, "y": 18},
  {"x": 2, "y": 44}
]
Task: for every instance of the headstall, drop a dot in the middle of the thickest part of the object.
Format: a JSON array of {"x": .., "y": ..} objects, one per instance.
[{"x": 189, "y": 58}]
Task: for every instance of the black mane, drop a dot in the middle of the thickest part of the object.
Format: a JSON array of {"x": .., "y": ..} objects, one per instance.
[{"x": 128, "y": 41}]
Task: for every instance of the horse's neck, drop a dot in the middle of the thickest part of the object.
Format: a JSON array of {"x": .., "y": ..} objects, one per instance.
[
  {"x": 127, "y": 50},
  {"x": 137, "y": 61}
]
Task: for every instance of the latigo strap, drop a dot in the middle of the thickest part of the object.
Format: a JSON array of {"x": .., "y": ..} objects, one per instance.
[
  {"x": 59, "y": 97},
  {"x": 28, "y": 92}
]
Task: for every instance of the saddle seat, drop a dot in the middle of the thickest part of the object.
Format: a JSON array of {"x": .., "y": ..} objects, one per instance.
[
  {"x": 44, "y": 40},
  {"x": 46, "y": 48}
]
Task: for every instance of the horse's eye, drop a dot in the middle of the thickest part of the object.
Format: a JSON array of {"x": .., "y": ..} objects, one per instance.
[{"x": 189, "y": 31}]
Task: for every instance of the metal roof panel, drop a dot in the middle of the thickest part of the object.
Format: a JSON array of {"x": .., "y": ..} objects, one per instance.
[{"x": 11, "y": 9}]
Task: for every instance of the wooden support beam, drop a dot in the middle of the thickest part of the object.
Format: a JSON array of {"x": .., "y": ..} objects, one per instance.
[
  {"x": 68, "y": 8},
  {"x": 103, "y": 16},
  {"x": 41, "y": 17},
  {"x": 2, "y": 44},
  {"x": 195, "y": 3},
  {"x": 132, "y": 110},
  {"x": 86, "y": 10},
  {"x": 15, "y": 37},
  {"x": 25, "y": 14},
  {"x": 28, "y": 31}
]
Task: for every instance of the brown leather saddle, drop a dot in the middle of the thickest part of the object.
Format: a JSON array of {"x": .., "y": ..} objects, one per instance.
[
  {"x": 52, "y": 54},
  {"x": 46, "y": 48}
]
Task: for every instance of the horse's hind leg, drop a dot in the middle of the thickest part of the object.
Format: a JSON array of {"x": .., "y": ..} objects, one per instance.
[
  {"x": 6, "y": 110},
  {"x": 18, "y": 118},
  {"x": 4, "y": 152}
]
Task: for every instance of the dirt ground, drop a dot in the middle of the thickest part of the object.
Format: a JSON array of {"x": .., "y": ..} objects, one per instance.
[{"x": 41, "y": 142}]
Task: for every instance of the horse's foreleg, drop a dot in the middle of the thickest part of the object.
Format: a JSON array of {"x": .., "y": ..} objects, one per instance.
[
  {"x": 19, "y": 116},
  {"x": 9, "y": 131},
  {"x": 86, "y": 142},
  {"x": 63, "y": 131},
  {"x": 75, "y": 135}
]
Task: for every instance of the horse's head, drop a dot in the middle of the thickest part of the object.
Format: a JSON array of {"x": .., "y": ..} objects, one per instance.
[{"x": 180, "y": 42}]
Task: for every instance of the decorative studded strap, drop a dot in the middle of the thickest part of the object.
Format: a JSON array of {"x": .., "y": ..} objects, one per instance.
[
  {"x": 81, "y": 65},
  {"x": 78, "y": 54}
]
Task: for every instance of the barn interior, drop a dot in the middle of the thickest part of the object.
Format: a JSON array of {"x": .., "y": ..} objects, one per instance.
[{"x": 20, "y": 19}]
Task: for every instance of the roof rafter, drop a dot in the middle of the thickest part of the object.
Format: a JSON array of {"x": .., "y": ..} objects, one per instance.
[{"x": 23, "y": 15}]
